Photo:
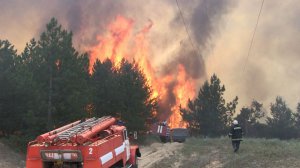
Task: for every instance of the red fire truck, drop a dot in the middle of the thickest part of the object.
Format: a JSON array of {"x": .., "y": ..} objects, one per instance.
[{"x": 93, "y": 143}]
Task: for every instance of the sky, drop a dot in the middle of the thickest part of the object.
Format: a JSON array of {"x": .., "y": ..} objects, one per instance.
[
  {"x": 216, "y": 38},
  {"x": 273, "y": 64}
]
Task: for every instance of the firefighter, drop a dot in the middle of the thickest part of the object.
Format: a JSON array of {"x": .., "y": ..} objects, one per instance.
[{"x": 236, "y": 134}]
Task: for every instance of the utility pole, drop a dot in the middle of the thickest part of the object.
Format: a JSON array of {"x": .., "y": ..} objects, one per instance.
[{"x": 49, "y": 118}]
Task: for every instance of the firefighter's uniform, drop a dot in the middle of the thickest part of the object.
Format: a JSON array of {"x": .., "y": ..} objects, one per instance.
[{"x": 236, "y": 134}]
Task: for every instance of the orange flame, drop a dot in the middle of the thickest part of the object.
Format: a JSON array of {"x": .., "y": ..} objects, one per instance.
[
  {"x": 114, "y": 46},
  {"x": 121, "y": 42},
  {"x": 184, "y": 90}
]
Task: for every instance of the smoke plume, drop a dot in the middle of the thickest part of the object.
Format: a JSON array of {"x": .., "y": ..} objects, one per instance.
[
  {"x": 171, "y": 48},
  {"x": 273, "y": 65}
]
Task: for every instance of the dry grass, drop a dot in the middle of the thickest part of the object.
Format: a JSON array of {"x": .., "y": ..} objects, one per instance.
[
  {"x": 218, "y": 153},
  {"x": 9, "y": 158}
]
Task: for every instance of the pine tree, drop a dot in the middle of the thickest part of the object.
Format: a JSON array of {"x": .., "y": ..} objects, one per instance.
[
  {"x": 64, "y": 74},
  {"x": 209, "y": 114},
  {"x": 105, "y": 89},
  {"x": 297, "y": 117},
  {"x": 135, "y": 92},
  {"x": 59, "y": 75},
  {"x": 122, "y": 92},
  {"x": 280, "y": 122},
  {"x": 249, "y": 118},
  {"x": 8, "y": 94}
]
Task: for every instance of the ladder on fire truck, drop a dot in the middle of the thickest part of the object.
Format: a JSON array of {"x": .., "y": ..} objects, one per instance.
[
  {"x": 69, "y": 133},
  {"x": 80, "y": 128}
]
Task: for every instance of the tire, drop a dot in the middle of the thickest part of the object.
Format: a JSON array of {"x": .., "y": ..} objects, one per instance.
[
  {"x": 119, "y": 164},
  {"x": 163, "y": 139}
]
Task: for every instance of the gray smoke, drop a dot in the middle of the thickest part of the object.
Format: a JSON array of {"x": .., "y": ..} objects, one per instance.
[
  {"x": 207, "y": 16},
  {"x": 203, "y": 22},
  {"x": 273, "y": 65},
  {"x": 170, "y": 45}
]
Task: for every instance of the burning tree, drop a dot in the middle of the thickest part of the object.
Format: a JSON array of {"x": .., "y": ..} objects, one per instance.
[{"x": 171, "y": 88}]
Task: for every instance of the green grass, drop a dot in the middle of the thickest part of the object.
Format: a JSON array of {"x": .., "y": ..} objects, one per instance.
[{"x": 253, "y": 153}]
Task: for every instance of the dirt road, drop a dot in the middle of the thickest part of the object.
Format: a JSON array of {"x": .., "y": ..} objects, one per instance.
[
  {"x": 156, "y": 152},
  {"x": 10, "y": 159}
]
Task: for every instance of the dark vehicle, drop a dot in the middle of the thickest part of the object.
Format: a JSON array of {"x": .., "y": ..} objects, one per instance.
[
  {"x": 167, "y": 134},
  {"x": 179, "y": 134}
]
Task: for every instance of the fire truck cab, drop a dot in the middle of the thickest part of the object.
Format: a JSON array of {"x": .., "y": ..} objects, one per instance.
[{"x": 93, "y": 143}]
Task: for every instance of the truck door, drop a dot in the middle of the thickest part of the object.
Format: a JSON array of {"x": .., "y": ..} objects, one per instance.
[{"x": 127, "y": 145}]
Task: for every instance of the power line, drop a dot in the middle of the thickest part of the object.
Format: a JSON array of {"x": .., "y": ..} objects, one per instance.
[
  {"x": 186, "y": 29},
  {"x": 254, "y": 32}
]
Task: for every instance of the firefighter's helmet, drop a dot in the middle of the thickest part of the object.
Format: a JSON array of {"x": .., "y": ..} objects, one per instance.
[{"x": 235, "y": 122}]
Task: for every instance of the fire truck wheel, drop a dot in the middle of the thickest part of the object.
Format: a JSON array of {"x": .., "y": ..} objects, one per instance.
[{"x": 163, "y": 139}]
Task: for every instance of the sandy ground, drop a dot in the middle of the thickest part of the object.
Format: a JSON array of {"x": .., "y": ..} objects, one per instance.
[
  {"x": 154, "y": 153},
  {"x": 10, "y": 159}
]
